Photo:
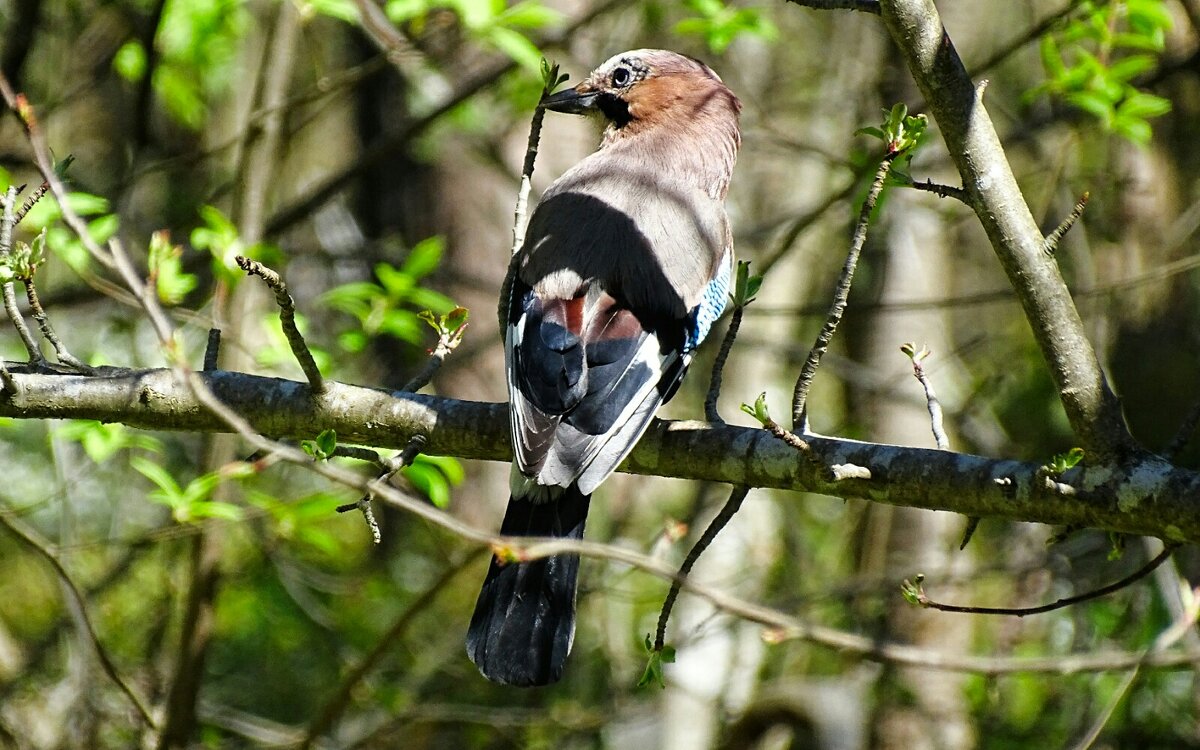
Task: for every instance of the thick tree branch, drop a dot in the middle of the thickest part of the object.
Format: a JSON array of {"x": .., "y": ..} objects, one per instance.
[
  {"x": 1091, "y": 406},
  {"x": 1147, "y": 495}
]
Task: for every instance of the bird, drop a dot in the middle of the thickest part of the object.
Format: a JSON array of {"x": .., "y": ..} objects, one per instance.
[{"x": 625, "y": 267}]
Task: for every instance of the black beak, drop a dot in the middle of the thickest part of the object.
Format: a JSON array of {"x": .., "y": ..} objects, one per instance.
[{"x": 572, "y": 101}]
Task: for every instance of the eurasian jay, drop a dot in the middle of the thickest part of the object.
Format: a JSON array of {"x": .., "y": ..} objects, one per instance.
[{"x": 625, "y": 267}]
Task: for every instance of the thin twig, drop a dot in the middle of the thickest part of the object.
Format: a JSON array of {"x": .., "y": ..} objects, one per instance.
[
  {"x": 787, "y": 436},
  {"x": 360, "y": 454},
  {"x": 866, "y": 6},
  {"x": 30, "y": 202},
  {"x": 18, "y": 321},
  {"x": 1050, "y": 246},
  {"x": 11, "y": 388},
  {"x": 7, "y": 222},
  {"x": 390, "y": 468},
  {"x": 212, "y": 350},
  {"x": 32, "y": 539},
  {"x": 520, "y": 219},
  {"x": 732, "y": 505},
  {"x": 718, "y": 370},
  {"x": 931, "y": 399},
  {"x": 942, "y": 191},
  {"x": 924, "y": 601},
  {"x": 448, "y": 341},
  {"x": 43, "y": 321},
  {"x": 328, "y": 715},
  {"x": 287, "y": 319},
  {"x": 841, "y": 294}
]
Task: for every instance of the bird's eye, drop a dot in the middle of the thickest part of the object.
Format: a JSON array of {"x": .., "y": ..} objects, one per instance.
[{"x": 620, "y": 76}]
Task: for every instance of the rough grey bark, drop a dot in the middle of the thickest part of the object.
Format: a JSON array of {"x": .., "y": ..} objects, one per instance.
[{"x": 1146, "y": 495}]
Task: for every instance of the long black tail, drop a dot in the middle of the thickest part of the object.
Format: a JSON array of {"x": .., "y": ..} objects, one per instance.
[{"x": 524, "y": 620}]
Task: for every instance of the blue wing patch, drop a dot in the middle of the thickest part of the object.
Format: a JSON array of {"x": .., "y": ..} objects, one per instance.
[{"x": 712, "y": 304}]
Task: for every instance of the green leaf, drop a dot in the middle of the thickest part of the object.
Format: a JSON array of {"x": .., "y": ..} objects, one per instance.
[
  {"x": 170, "y": 491},
  {"x": 515, "y": 45},
  {"x": 1099, "y": 106},
  {"x": 1143, "y": 106},
  {"x": 130, "y": 61},
  {"x": 529, "y": 15},
  {"x": 327, "y": 441},
  {"x": 423, "y": 259},
  {"x": 759, "y": 410},
  {"x": 1133, "y": 129},
  {"x": 1130, "y": 67},
  {"x": 653, "y": 673},
  {"x": 342, "y": 10}
]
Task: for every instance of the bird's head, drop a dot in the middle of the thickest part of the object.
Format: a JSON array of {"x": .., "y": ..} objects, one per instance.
[{"x": 645, "y": 88}]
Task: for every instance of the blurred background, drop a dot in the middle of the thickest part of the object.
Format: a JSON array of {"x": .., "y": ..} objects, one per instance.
[{"x": 371, "y": 153}]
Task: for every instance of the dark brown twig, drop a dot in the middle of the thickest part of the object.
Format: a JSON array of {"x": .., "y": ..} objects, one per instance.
[
  {"x": 840, "y": 296},
  {"x": 31, "y": 539},
  {"x": 942, "y": 191},
  {"x": 390, "y": 468},
  {"x": 43, "y": 321},
  {"x": 29, "y": 203},
  {"x": 287, "y": 318},
  {"x": 736, "y": 496},
  {"x": 921, "y": 599},
  {"x": 865, "y": 6},
  {"x": 718, "y": 370},
  {"x": 212, "y": 350},
  {"x": 1051, "y": 244},
  {"x": 448, "y": 341}
]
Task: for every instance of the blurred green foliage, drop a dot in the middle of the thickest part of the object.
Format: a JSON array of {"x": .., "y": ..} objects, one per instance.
[{"x": 1094, "y": 61}]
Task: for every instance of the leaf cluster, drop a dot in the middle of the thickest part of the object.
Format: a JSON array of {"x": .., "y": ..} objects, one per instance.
[{"x": 1093, "y": 62}]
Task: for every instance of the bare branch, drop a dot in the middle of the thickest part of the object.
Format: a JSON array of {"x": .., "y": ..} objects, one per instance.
[
  {"x": 865, "y": 6},
  {"x": 731, "y": 507},
  {"x": 921, "y": 599},
  {"x": 30, "y": 202},
  {"x": 43, "y": 321},
  {"x": 1051, "y": 244},
  {"x": 718, "y": 369},
  {"x": 212, "y": 350},
  {"x": 287, "y": 319},
  {"x": 840, "y": 296},
  {"x": 45, "y": 164},
  {"x": 520, "y": 220},
  {"x": 448, "y": 341},
  {"x": 931, "y": 399},
  {"x": 942, "y": 191}
]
